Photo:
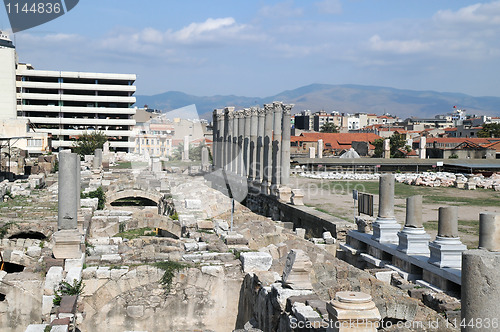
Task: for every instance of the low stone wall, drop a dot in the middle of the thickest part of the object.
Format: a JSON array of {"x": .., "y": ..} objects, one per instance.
[{"x": 315, "y": 222}]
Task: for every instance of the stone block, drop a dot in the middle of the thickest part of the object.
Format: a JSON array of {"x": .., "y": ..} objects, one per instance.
[
  {"x": 103, "y": 272},
  {"x": 118, "y": 273},
  {"x": 329, "y": 239},
  {"x": 47, "y": 304},
  {"x": 34, "y": 251},
  {"x": 297, "y": 197},
  {"x": 52, "y": 279},
  {"x": 192, "y": 204},
  {"x": 256, "y": 261},
  {"x": 68, "y": 304},
  {"x": 297, "y": 269},
  {"x": 205, "y": 224},
  {"x": 300, "y": 232},
  {"x": 305, "y": 313},
  {"x": 111, "y": 258},
  {"x": 74, "y": 273},
  {"x": 190, "y": 246},
  {"x": 67, "y": 244},
  {"x": 36, "y": 328}
]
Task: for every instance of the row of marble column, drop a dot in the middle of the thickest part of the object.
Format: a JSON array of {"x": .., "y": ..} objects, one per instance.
[
  {"x": 446, "y": 250},
  {"x": 254, "y": 143},
  {"x": 480, "y": 275}
]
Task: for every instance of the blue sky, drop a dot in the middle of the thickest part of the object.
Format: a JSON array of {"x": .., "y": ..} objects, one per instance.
[{"x": 260, "y": 48}]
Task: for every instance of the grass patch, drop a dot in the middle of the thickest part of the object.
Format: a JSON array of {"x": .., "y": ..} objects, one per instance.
[
  {"x": 170, "y": 269},
  {"x": 135, "y": 233},
  {"x": 129, "y": 165},
  {"x": 431, "y": 195}
]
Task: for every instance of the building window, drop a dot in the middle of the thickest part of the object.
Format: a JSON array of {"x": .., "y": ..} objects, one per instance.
[{"x": 35, "y": 142}]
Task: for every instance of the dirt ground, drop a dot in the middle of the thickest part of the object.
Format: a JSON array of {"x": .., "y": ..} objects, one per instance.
[{"x": 335, "y": 198}]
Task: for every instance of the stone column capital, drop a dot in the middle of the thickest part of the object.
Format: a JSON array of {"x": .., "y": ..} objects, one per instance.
[
  {"x": 287, "y": 108},
  {"x": 247, "y": 112},
  {"x": 261, "y": 112},
  {"x": 268, "y": 108}
]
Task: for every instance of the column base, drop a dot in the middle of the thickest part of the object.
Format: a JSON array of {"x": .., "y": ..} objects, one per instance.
[
  {"x": 446, "y": 252},
  {"x": 284, "y": 193},
  {"x": 385, "y": 230},
  {"x": 264, "y": 188},
  {"x": 67, "y": 244},
  {"x": 414, "y": 241},
  {"x": 273, "y": 190}
]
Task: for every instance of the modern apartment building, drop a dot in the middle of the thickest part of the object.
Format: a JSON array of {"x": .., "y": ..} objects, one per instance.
[{"x": 64, "y": 105}]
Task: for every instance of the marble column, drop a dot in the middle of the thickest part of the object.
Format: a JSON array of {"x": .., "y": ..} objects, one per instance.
[
  {"x": 276, "y": 158},
  {"x": 241, "y": 132},
  {"x": 97, "y": 162},
  {"x": 385, "y": 227},
  {"x": 246, "y": 142},
  {"x": 312, "y": 152},
  {"x": 234, "y": 146},
  {"x": 253, "y": 143},
  {"x": 422, "y": 152},
  {"x": 413, "y": 239},
  {"x": 387, "y": 148},
  {"x": 219, "y": 149},
  {"x": 320, "y": 148},
  {"x": 68, "y": 191},
  {"x": 228, "y": 111},
  {"x": 214, "y": 138},
  {"x": 268, "y": 150},
  {"x": 186, "y": 148},
  {"x": 481, "y": 278},
  {"x": 446, "y": 250},
  {"x": 285, "y": 145},
  {"x": 260, "y": 147},
  {"x": 489, "y": 231}
]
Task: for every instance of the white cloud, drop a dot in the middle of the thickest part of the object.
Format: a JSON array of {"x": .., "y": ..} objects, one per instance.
[
  {"x": 480, "y": 13},
  {"x": 330, "y": 7},
  {"x": 196, "y": 30},
  {"x": 399, "y": 46}
]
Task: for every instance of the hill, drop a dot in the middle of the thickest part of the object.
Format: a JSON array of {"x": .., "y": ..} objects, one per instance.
[{"x": 343, "y": 98}]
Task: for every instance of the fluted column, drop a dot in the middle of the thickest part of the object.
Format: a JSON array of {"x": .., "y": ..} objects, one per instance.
[
  {"x": 241, "y": 132},
  {"x": 246, "y": 142},
  {"x": 260, "y": 145},
  {"x": 214, "y": 138},
  {"x": 220, "y": 139},
  {"x": 234, "y": 143},
  {"x": 253, "y": 143},
  {"x": 276, "y": 158},
  {"x": 267, "y": 148},
  {"x": 285, "y": 145},
  {"x": 228, "y": 112}
]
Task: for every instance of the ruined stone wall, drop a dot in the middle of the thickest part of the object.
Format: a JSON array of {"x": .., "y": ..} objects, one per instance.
[{"x": 203, "y": 298}]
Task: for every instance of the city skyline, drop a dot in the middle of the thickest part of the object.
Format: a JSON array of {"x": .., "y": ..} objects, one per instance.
[{"x": 262, "y": 48}]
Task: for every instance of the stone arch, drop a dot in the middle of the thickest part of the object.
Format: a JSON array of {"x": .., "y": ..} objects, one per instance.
[
  {"x": 28, "y": 234},
  {"x": 114, "y": 196}
]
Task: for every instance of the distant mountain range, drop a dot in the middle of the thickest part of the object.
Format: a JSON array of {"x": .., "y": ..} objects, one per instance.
[{"x": 342, "y": 98}]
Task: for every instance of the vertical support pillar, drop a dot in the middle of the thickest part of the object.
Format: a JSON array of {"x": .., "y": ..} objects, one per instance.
[
  {"x": 446, "y": 250},
  {"x": 413, "y": 239},
  {"x": 97, "y": 162},
  {"x": 186, "y": 148},
  {"x": 268, "y": 149},
  {"x": 423, "y": 150},
  {"x": 276, "y": 159},
  {"x": 385, "y": 227},
  {"x": 260, "y": 148},
  {"x": 387, "y": 148},
  {"x": 246, "y": 142},
  {"x": 320, "y": 148},
  {"x": 215, "y": 137},
  {"x": 285, "y": 192},
  {"x": 68, "y": 192},
  {"x": 234, "y": 146},
  {"x": 253, "y": 144},
  {"x": 481, "y": 277},
  {"x": 228, "y": 115},
  {"x": 220, "y": 139},
  {"x": 241, "y": 132}
]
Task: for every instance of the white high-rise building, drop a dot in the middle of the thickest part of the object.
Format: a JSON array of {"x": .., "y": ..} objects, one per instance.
[
  {"x": 65, "y": 105},
  {"x": 7, "y": 78}
]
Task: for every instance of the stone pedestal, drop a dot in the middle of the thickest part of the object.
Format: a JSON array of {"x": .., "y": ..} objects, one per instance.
[
  {"x": 285, "y": 194},
  {"x": 67, "y": 244},
  {"x": 387, "y": 148},
  {"x": 422, "y": 151},
  {"x": 414, "y": 241},
  {"x": 297, "y": 197},
  {"x": 385, "y": 227},
  {"x": 353, "y": 311},
  {"x": 446, "y": 252},
  {"x": 205, "y": 160},
  {"x": 480, "y": 289},
  {"x": 312, "y": 152},
  {"x": 297, "y": 269},
  {"x": 97, "y": 162}
]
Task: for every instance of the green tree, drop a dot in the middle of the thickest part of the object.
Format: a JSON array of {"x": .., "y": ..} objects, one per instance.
[
  {"x": 329, "y": 127},
  {"x": 87, "y": 143},
  {"x": 194, "y": 152},
  {"x": 397, "y": 142},
  {"x": 489, "y": 130}
]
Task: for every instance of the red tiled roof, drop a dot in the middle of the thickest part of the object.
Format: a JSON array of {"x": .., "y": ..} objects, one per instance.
[
  {"x": 451, "y": 129},
  {"x": 336, "y": 141},
  {"x": 458, "y": 140}
]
